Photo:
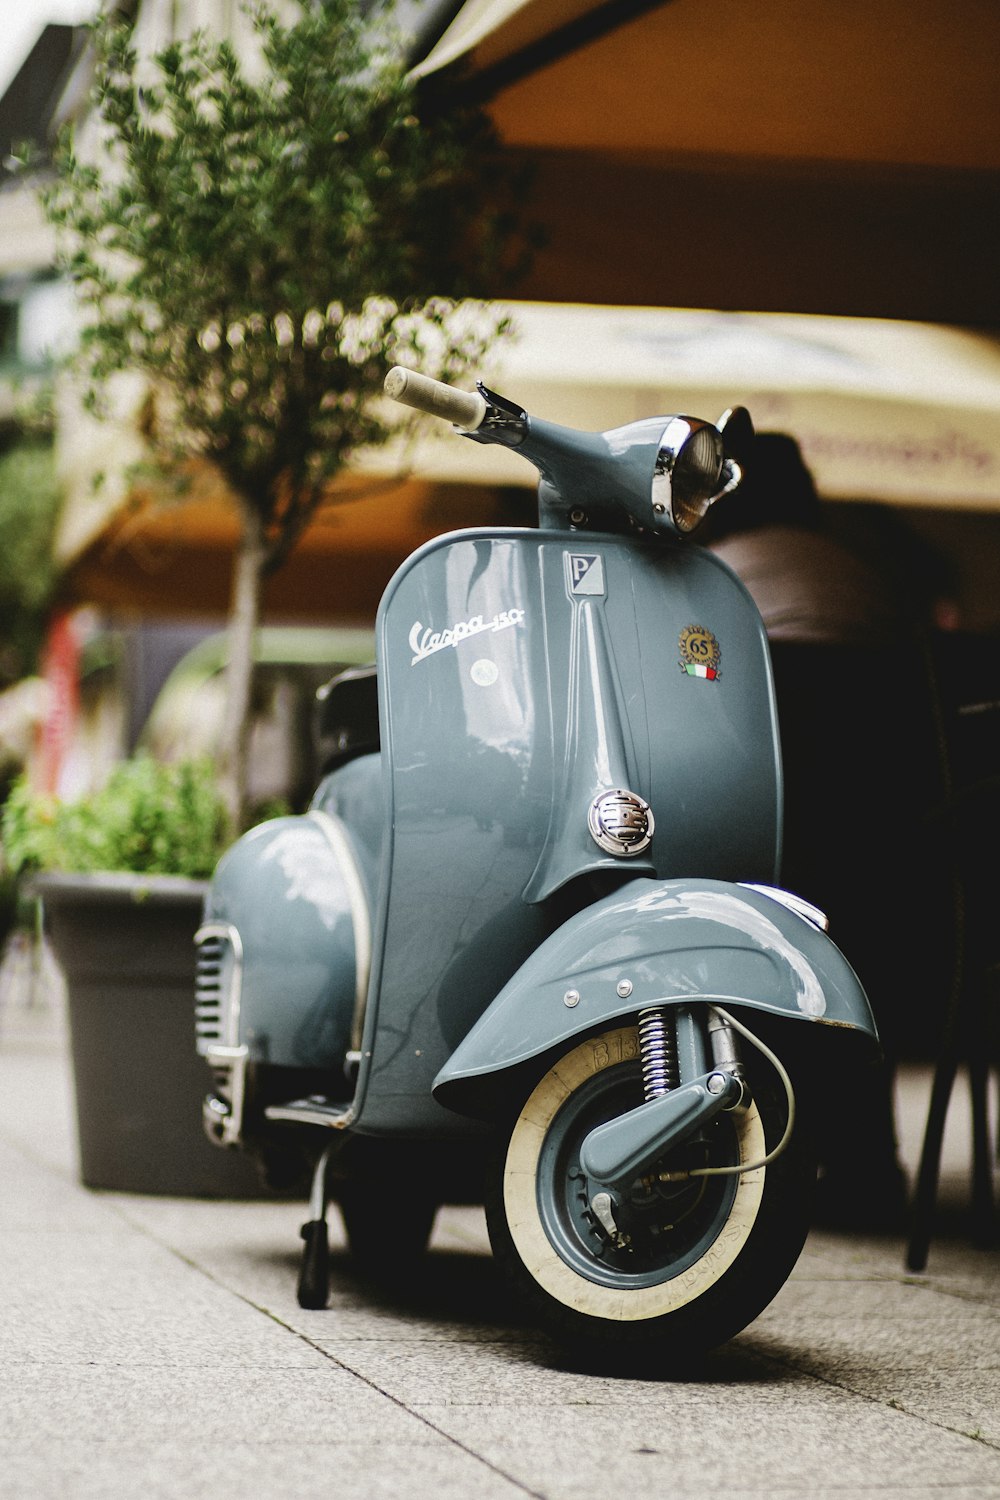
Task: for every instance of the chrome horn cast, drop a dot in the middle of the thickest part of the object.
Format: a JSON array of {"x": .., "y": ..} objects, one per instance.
[{"x": 621, "y": 823}]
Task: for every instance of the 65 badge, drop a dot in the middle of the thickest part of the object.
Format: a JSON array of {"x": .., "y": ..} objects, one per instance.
[{"x": 700, "y": 652}]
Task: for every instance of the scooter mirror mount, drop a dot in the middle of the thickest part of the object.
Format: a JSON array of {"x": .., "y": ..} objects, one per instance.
[
  {"x": 505, "y": 422},
  {"x": 736, "y": 426}
]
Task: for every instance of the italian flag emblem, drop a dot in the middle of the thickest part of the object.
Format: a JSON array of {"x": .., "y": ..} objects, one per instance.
[{"x": 701, "y": 653}]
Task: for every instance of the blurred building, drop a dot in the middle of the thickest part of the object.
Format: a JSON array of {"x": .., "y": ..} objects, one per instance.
[{"x": 718, "y": 184}]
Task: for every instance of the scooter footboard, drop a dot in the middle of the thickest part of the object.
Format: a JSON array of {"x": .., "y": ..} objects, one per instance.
[{"x": 658, "y": 943}]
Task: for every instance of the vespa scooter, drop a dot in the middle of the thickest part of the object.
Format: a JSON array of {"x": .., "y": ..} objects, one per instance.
[{"x": 528, "y": 948}]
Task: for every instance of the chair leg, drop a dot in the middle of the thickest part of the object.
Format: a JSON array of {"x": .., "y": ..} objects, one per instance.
[
  {"x": 983, "y": 1209},
  {"x": 953, "y": 1036},
  {"x": 925, "y": 1193}
]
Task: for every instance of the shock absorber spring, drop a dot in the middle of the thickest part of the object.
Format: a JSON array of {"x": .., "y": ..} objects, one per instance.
[{"x": 658, "y": 1051}]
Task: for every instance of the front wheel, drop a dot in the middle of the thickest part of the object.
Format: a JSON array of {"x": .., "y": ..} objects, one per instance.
[{"x": 694, "y": 1260}]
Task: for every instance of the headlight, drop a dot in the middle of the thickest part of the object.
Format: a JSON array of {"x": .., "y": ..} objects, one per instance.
[
  {"x": 689, "y": 471},
  {"x": 696, "y": 465}
]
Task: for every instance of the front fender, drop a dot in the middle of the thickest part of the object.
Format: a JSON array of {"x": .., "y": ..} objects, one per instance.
[{"x": 673, "y": 942}]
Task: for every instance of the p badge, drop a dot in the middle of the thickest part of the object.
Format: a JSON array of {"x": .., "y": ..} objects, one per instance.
[{"x": 585, "y": 573}]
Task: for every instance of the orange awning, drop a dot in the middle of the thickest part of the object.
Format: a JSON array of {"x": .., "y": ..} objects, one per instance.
[{"x": 777, "y": 156}]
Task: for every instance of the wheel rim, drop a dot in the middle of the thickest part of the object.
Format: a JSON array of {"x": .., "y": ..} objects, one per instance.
[
  {"x": 670, "y": 1225},
  {"x": 683, "y": 1236}
]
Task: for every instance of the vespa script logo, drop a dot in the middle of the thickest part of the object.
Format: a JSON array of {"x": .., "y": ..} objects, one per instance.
[{"x": 426, "y": 642}]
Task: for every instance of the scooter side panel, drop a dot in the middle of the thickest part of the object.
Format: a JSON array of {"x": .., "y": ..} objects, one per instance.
[
  {"x": 522, "y": 673},
  {"x": 658, "y": 943},
  {"x": 289, "y": 958}
]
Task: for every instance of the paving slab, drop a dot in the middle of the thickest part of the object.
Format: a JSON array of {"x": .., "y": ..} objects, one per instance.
[{"x": 155, "y": 1345}]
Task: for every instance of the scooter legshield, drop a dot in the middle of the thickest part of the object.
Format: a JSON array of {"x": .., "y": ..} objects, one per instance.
[{"x": 673, "y": 942}]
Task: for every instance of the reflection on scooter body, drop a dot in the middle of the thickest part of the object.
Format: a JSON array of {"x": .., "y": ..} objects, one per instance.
[{"x": 536, "y": 934}]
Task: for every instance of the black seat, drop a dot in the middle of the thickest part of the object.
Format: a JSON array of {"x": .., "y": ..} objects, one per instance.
[{"x": 346, "y": 723}]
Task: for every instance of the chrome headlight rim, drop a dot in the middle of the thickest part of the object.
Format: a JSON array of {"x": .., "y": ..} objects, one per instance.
[{"x": 690, "y": 473}]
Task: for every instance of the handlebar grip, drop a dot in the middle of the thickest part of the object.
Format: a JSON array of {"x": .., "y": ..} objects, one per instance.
[{"x": 464, "y": 408}]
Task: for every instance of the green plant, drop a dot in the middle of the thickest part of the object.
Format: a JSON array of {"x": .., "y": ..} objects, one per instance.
[
  {"x": 29, "y": 507},
  {"x": 261, "y": 243},
  {"x": 150, "y": 818}
]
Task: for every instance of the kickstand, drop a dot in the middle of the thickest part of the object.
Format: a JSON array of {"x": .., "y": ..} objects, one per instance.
[{"x": 314, "y": 1273}]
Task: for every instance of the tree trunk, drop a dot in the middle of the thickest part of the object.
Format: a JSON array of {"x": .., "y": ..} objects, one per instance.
[{"x": 244, "y": 617}]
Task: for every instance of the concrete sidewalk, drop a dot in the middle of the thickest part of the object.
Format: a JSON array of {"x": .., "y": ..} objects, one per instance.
[{"x": 154, "y": 1346}]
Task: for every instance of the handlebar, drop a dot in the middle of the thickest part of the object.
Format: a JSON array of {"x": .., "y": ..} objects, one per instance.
[
  {"x": 465, "y": 409},
  {"x": 659, "y": 474}
]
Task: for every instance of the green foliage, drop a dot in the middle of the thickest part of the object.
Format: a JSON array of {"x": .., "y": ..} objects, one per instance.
[
  {"x": 29, "y": 507},
  {"x": 261, "y": 242},
  {"x": 150, "y": 818}
]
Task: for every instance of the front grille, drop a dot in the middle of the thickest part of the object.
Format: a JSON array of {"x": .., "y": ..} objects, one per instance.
[{"x": 216, "y": 995}]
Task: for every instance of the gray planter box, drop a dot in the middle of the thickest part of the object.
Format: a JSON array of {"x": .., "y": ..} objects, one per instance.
[{"x": 125, "y": 944}]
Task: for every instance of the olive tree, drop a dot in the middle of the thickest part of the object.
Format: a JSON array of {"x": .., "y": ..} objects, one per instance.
[{"x": 260, "y": 237}]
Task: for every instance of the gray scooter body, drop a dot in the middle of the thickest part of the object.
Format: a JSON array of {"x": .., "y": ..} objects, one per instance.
[{"x": 522, "y": 673}]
